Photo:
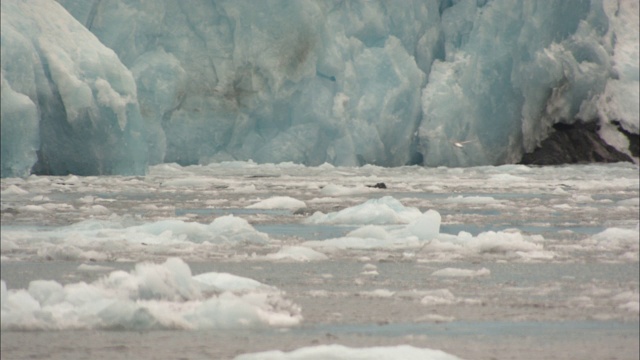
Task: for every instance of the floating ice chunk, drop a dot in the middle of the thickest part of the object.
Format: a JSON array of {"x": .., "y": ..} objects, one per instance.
[
  {"x": 559, "y": 191},
  {"x": 99, "y": 240},
  {"x": 377, "y": 293},
  {"x": 616, "y": 239},
  {"x": 279, "y": 202},
  {"x": 339, "y": 352},
  {"x": 152, "y": 296},
  {"x": 234, "y": 229},
  {"x": 225, "y": 229},
  {"x": 369, "y": 231},
  {"x": 499, "y": 242},
  {"x": 563, "y": 207},
  {"x": 369, "y": 270},
  {"x": 426, "y": 226},
  {"x": 96, "y": 209},
  {"x": 324, "y": 200},
  {"x": 318, "y": 293},
  {"x": 93, "y": 268},
  {"x": 340, "y": 190},
  {"x": 536, "y": 255},
  {"x": 438, "y": 297},
  {"x": 33, "y": 208},
  {"x": 297, "y": 253},
  {"x": 58, "y": 207},
  {"x": 40, "y": 198},
  {"x": 87, "y": 199},
  {"x": 13, "y": 190},
  {"x": 472, "y": 200},
  {"x": 628, "y": 300},
  {"x": 46, "y": 292},
  {"x": 20, "y": 307},
  {"x": 629, "y": 202},
  {"x": 627, "y": 296},
  {"x": 580, "y": 302},
  {"x": 194, "y": 182},
  {"x": 582, "y": 198},
  {"x": 494, "y": 243},
  {"x": 229, "y": 282},
  {"x": 631, "y": 306},
  {"x": 455, "y": 272},
  {"x": 68, "y": 252},
  {"x": 8, "y": 246},
  {"x": 385, "y": 210},
  {"x": 245, "y": 189},
  {"x": 506, "y": 178},
  {"x": 364, "y": 243},
  {"x": 369, "y": 267}
]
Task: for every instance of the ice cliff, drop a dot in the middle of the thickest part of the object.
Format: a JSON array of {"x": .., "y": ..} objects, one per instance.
[{"x": 109, "y": 87}]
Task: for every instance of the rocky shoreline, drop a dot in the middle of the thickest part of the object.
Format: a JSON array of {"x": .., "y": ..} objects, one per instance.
[{"x": 579, "y": 143}]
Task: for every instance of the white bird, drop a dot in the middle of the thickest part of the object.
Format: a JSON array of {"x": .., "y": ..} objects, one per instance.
[{"x": 460, "y": 144}]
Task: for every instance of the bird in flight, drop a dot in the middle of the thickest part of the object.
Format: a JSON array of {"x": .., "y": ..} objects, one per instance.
[{"x": 460, "y": 144}]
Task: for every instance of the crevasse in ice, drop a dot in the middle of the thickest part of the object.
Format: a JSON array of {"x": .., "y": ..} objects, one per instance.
[{"x": 310, "y": 81}]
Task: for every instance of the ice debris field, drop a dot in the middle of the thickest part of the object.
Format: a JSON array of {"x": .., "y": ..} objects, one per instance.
[{"x": 239, "y": 246}]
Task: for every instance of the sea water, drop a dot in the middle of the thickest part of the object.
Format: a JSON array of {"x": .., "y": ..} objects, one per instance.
[{"x": 491, "y": 262}]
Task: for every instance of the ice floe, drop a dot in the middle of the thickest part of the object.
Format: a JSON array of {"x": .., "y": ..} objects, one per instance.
[
  {"x": 152, "y": 296},
  {"x": 339, "y": 352}
]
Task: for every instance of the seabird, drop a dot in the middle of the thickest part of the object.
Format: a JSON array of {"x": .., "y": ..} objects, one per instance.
[{"x": 460, "y": 144}]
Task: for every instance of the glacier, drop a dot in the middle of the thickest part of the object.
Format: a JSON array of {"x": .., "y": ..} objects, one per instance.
[{"x": 111, "y": 87}]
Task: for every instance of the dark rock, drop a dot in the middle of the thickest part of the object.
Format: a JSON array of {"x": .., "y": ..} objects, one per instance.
[
  {"x": 378, "y": 186},
  {"x": 574, "y": 143}
]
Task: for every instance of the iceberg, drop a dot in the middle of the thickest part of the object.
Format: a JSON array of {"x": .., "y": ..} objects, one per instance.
[{"x": 110, "y": 88}]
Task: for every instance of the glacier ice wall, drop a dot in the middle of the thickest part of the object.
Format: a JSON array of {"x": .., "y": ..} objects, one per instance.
[
  {"x": 344, "y": 82},
  {"x": 68, "y": 103}
]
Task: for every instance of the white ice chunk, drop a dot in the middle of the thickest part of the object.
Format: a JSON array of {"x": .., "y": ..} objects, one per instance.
[
  {"x": 498, "y": 242},
  {"x": 426, "y": 226},
  {"x": 93, "y": 268},
  {"x": 340, "y": 352},
  {"x": 616, "y": 239},
  {"x": 455, "y": 272},
  {"x": 385, "y": 210},
  {"x": 279, "y": 202},
  {"x": 229, "y": 282},
  {"x": 152, "y": 296},
  {"x": 438, "y": 297},
  {"x": 377, "y": 293},
  {"x": 629, "y": 202},
  {"x": 14, "y": 190},
  {"x": 472, "y": 200},
  {"x": 297, "y": 253}
]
